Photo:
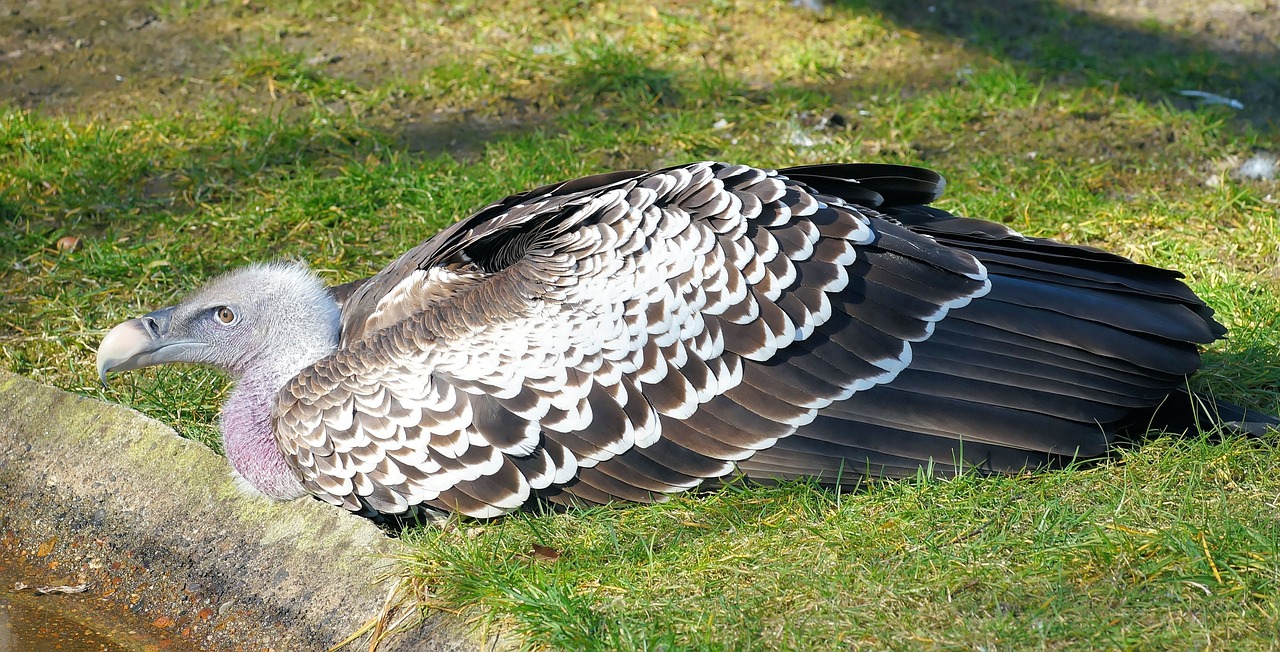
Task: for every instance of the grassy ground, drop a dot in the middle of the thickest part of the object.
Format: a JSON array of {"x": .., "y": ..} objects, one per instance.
[{"x": 343, "y": 133}]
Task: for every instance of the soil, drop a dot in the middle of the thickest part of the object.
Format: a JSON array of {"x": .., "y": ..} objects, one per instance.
[
  {"x": 115, "y": 61},
  {"x": 1231, "y": 48},
  {"x": 55, "y": 612},
  {"x": 123, "y": 58}
]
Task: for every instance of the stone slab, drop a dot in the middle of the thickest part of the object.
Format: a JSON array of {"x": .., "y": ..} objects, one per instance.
[{"x": 155, "y": 521}]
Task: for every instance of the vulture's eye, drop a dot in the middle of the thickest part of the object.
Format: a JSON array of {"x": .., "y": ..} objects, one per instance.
[{"x": 224, "y": 314}]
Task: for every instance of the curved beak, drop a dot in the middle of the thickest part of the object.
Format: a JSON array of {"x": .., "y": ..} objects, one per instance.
[{"x": 143, "y": 342}]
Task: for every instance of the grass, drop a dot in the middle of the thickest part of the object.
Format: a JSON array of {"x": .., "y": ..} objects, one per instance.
[
  {"x": 1162, "y": 548},
  {"x": 344, "y": 133}
]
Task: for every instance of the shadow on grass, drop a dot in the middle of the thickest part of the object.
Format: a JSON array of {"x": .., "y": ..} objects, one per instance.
[
  {"x": 607, "y": 72},
  {"x": 1056, "y": 41}
]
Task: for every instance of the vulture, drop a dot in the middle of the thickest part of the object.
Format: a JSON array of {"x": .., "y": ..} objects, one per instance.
[{"x": 626, "y": 336}]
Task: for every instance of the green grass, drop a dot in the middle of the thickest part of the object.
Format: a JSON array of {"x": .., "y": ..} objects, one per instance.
[
  {"x": 344, "y": 133},
  {"x": 1163, "y": 547}
]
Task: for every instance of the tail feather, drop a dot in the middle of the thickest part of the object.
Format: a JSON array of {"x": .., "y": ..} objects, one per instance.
[{"x": 1191, "y": 412}]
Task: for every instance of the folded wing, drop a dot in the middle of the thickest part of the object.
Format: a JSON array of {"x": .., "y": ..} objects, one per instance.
[{"x": 631, "y": 335}]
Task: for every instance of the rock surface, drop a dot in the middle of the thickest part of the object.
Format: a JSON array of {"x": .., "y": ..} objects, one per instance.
[{"x": 156, "y": 522}]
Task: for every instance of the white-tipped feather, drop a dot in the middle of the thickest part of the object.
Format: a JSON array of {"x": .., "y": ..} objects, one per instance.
[{"x": 591, "y": 325}]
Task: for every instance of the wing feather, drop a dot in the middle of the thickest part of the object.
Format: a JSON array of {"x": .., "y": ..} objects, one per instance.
[{"x": 626, "y": 336}]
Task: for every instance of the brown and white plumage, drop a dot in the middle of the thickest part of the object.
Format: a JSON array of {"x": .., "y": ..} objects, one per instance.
[{"x": 630, "y": 335}]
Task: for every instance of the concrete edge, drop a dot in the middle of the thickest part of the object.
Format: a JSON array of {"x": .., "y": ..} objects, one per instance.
[{"x": 155, "y": 521}]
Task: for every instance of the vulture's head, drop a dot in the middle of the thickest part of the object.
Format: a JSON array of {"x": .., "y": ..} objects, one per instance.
[
  {"x": 261, "y": 324},
  {"x": 264, "y": 323}
]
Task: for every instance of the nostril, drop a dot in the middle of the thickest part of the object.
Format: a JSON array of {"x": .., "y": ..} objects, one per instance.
[{"x": 156, "y": 323}]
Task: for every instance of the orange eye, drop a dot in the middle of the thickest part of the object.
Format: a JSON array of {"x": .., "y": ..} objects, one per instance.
[{"x": 224, "y": 314}]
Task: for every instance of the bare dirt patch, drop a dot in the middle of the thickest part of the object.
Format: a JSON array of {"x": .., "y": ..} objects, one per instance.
[
  {"x": 130, "y": 57},
  {"x": 82, "y": 57}
]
